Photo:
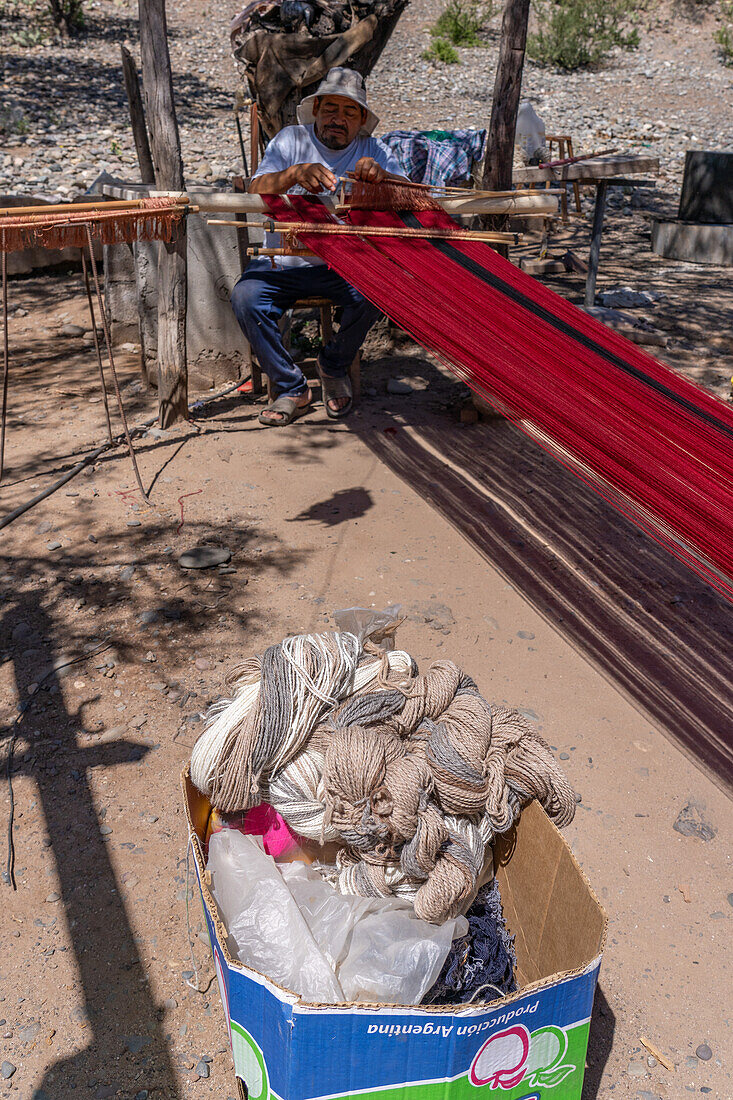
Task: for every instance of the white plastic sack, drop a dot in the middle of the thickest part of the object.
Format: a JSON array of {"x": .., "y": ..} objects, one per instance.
[
  {"x": 263, "y": 920},
  {"x": 530, "y": 133},
  {"x": 379, "y": 950},
  {"x": 291, "y": 925}
]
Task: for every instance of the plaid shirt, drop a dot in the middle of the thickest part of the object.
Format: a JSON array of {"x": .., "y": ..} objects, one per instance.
[{"x": 436, "y": 157}]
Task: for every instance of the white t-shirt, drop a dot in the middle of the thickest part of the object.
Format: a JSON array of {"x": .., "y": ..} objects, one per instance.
[{"x": 299, "y": 145}]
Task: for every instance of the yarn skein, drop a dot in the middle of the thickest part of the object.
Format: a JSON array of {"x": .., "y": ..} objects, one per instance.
[{"x": 413, "y": 774}]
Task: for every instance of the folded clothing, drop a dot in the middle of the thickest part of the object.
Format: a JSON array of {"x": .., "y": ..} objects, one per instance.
[
  {"x": 482, "y": 960},
  {"x": 436, "y": 157}
]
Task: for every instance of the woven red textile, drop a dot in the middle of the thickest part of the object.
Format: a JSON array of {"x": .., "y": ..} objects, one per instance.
[{"x": 656, "y": 446}]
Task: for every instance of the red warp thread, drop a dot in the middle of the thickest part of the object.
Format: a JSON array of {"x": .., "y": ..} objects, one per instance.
[{"x": 657, "y": 447}]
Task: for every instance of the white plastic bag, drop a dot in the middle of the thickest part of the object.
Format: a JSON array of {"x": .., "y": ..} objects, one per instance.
[
  {"x": 368, "y": 624},
  {"x": 530, "y": 133},
  {"x": 380, "y": 951},
  {"x": 290, "y": 924},
  {"x": 263, "y": 920}
]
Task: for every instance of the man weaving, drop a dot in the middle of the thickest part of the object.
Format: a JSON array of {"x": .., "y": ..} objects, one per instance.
[{"x": 333, "y": 139}]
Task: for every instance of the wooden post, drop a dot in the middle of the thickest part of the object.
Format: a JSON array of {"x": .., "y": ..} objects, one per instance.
[
  {"x": 497, "y": 174},
  {"x": 166, "y": 144},
  {"x": 137, "y": 117}
]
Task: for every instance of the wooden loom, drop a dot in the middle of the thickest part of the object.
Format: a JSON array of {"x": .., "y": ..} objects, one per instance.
[
  {"x": 657, "y": 447},
  {"x": 354, "y": 195},
  {"x": 80, "y": 225}
]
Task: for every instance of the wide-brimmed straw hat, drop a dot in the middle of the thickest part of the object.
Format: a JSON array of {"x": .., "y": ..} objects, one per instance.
[{"x": 344, "y": 82}]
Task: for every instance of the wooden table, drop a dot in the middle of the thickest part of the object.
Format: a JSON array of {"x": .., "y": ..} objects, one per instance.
[{"x": 614, "y": 170}]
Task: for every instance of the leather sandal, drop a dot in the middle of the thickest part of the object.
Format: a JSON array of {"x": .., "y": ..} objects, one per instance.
[
  {"x": 288, "y": 408},
  {"x": 334, "y": 388}
]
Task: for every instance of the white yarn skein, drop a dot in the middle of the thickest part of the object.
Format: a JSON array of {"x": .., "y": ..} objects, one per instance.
[
  {"x": 298, "y": 794},
  {"x": 225, "y": 716},
  {"x": 308, "y": 697}
]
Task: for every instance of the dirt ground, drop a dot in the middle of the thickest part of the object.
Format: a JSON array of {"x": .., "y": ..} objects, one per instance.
[{"x": 95, "y": 953}]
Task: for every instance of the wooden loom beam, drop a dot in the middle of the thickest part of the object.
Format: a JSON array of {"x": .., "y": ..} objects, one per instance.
[
  {"x": 172, "y": 266},
  {"x": 137, "y": 117}
]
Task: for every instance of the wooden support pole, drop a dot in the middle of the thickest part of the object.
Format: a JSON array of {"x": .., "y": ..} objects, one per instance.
[
  {"x": 172, "y": 268},
  {"x": 497, "y": 174},
  {"x": 137, "y": 117}
]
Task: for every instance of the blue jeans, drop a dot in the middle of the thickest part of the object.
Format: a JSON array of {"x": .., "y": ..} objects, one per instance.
[{"x": 263, "y": 294}]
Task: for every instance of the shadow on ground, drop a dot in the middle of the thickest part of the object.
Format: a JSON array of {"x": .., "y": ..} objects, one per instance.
[
  {"x": 602, "y": 1027},
  {"x": 123, "y": 1023},
  {"x": 652, "y": 626}
]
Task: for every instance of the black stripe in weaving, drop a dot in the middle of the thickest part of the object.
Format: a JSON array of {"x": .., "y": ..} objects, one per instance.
[{"x": 452, "y": 253}]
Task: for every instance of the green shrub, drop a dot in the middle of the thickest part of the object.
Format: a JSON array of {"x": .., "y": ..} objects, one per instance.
[
  {"x": 31, "y": 22},
  {"x": 67, "y": 15},
  {"x": 440, "y": 50},
  {"x": 724, "y": 35},
  {"x": 461, "y": 21},
  {"x": 573, "y": 34}
]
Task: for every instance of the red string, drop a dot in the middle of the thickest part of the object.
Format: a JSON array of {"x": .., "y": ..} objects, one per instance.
[
  {"x": 181, "y": 499},
  {"x": 656, "y": 446}
]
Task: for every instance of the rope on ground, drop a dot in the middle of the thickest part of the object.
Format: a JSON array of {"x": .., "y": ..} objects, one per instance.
[{"x": 91, "y": 458}]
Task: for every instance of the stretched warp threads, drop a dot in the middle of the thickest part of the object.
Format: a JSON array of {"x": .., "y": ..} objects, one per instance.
[
  {"x": 153, "y": 219},
  {"x": 390, "y": 196},
  {"x": 414, "y": 774},
  {"x": 482, "y": 959},
  {"x": 595, "y": 400}
]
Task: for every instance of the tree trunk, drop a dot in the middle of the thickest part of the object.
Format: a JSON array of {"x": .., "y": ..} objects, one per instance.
[
  {"x": 137, "y": 117},
  {"x": 497, "y": 175},
  {"x": 166, "y": 145}
]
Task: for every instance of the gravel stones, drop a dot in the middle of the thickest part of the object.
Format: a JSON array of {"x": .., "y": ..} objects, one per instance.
[
  {"x": 204, "y": 557},
  {"x": 691, "y": 822},
  {"x": 202, "y": 1068},
  {"x": 637, "y": 1069},
  {"x": 135, "y": 1043},
  {"x": 7, "y": 1069},
  {"x": 704, "y": 1053}
]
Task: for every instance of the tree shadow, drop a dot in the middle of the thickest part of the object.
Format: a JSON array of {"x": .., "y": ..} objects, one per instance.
[
  {"x": 126, "y": 1041},
  {"x": 342, "y": 506},
  {"x": 46, "y": 81}
]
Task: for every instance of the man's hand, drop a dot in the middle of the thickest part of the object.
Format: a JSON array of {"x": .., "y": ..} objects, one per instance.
[
  {"x": 368, "y": 171},
  {"x": 314, "y": 177}
]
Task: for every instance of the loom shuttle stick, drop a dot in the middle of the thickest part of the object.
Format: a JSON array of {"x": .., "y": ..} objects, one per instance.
[
  {"x": 539, "y": 202},
  {"x": 463, "y": 201},
  {"x": 102, "y": 206},
  {"x": 371, "y": 231},
  {"x": 279, "y": 252}
]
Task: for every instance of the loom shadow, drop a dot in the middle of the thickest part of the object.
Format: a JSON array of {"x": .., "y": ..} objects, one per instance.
[
  {"x": 660, "y": 633},
  {"x": 116, "y": 1002}
]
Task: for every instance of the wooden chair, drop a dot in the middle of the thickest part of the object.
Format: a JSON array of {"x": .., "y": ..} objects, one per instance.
[
  {"x": 325, "y": 308},
  {"x": 564, "y": 149}
]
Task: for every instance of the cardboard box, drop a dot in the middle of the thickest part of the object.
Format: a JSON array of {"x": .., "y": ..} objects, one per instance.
[{"x": 529, "y": 1046}]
